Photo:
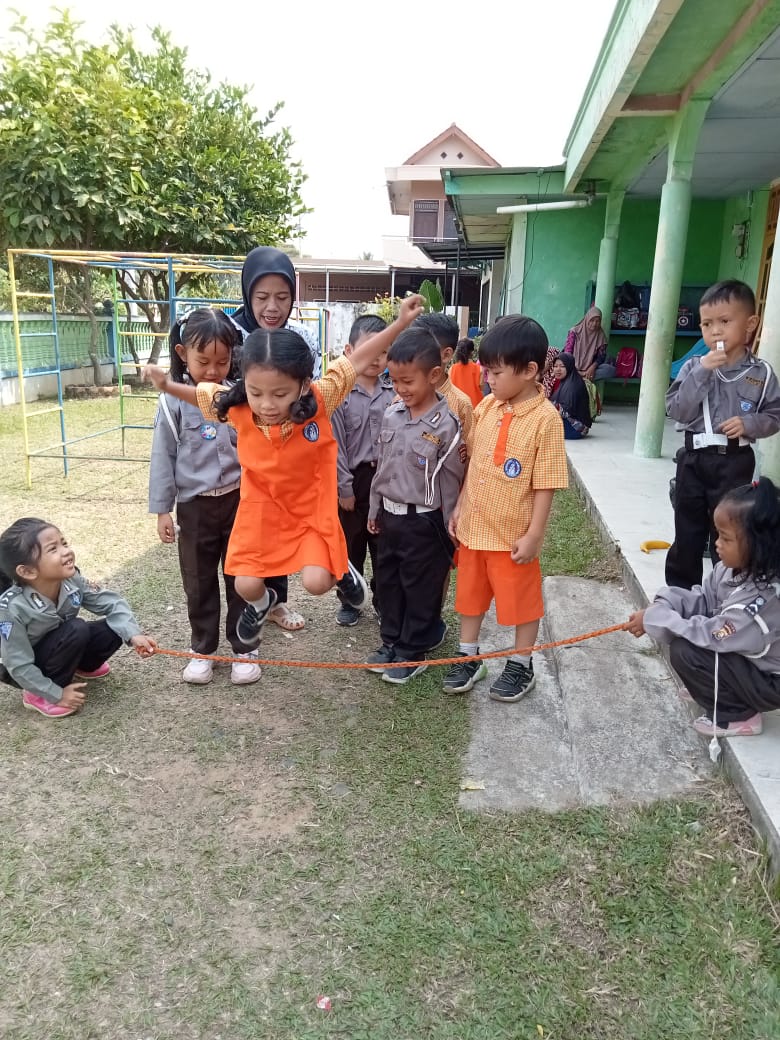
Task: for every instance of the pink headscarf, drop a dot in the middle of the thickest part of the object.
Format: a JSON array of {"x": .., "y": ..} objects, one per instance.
[{"x": 587, "y": 342}]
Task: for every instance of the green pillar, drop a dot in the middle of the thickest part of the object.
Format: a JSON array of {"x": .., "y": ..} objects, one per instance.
[
  {"x": 667, "y": 279},
  {"x": 605, "y": 279},
  {"x": 768, "y": 449}
]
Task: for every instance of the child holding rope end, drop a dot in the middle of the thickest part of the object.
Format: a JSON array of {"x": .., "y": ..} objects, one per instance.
[
  {"x": 287, "y": 517},
  {"x": 45, "y": 645},
  {"x": 724, "y": 635}
]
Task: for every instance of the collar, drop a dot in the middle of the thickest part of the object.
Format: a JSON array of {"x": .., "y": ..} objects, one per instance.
[{"x": 523, "y": 407}]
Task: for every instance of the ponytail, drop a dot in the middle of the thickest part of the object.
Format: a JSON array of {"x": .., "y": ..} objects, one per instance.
[
  {"x": 304, "y": 408},
  {"x": 756, "y": 509}
]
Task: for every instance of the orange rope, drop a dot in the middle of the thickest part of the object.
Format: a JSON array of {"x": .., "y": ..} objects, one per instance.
[{"x": 396, "y": 664}]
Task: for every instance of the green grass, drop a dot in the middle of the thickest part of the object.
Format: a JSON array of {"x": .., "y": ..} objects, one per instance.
[{"x": 203, "y": 863}]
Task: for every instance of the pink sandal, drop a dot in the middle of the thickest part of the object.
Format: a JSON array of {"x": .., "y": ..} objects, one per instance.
[{"x": 287, "y": 619}]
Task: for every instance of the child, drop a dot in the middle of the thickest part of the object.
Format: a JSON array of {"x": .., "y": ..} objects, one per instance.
[
  {"x": 517, "y": 461},
  {"x": 287, "y": 517},
  {"x": 724, "y": 401},
  {"x": 45, "y": 645},
  {"x": 418, "y": 476},
  {"x": 466, "y": 374},
  {"x": 570, "y": 398},
  {"x": 724, "y": 635},
  {"x": 356, "y": 425},
  {"x": 194, "y": 464},
  {"x": 444, "y": 330}
]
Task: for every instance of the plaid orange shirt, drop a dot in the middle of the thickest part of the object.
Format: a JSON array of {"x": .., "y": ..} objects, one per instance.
[
  {"x": 460, "y": 405},
  {"x": 515, "y": 451},
  {"x": 334, "y": 386}
]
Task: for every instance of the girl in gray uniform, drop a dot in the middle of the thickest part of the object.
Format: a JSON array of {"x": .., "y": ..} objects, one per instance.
[
  {"x": 195, "y": 465},
  {"x": 45, "y": 646},
  {"x": 724, "y": 635}
]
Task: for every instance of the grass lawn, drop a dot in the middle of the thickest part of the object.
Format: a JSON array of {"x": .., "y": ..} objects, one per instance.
[{"x": 183, "y": 862}]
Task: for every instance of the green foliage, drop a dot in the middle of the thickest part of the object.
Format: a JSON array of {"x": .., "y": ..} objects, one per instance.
[
  {"x": 432, "y": 294},
  {"x": 387, "y": 307},
  {"x": 107, "y": 147}
]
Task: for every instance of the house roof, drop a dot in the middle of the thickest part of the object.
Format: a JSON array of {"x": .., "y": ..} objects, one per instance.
[
  {"x": 452, "y": 130},
  {"x": 656, "y": 57}
]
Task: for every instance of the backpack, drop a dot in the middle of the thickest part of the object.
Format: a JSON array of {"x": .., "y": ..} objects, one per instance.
[{"x": 628, "y": 363}]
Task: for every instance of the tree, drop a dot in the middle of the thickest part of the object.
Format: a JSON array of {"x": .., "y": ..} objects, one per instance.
[{"x": 106, "y": 147}]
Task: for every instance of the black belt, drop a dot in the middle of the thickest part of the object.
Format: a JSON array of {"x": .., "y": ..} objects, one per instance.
[{"x": 732, "y": 448}]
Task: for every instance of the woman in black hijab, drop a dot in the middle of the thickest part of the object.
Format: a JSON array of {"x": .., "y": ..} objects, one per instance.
[
  {"x": 570, "y": 397},
  {"x": 268, "y": 291}
]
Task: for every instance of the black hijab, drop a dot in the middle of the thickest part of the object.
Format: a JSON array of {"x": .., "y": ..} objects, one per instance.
[
  {"x": 571, "y": 393},
  {"x": 262, "y": 261}
]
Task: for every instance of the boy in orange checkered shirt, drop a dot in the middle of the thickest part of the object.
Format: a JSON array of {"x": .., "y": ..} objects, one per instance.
[{"x": 518, "y": 460}]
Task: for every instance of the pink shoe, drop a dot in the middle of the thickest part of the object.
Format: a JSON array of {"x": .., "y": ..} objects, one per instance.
[
  {"x": 744, "y": 728},
  {"x": 98, "y": 673},
  {"x": 44, "y": 707}
]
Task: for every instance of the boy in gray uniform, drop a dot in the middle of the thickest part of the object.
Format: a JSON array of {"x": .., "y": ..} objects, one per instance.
[
  {"x": 724, "y": 400},
  {"x": 356, "y": 425},
  {"x": 415, "y": 488}
]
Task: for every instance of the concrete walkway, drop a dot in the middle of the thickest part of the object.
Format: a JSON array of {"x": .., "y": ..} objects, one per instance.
[
  {"x": 629, "y": 500},
  {"x": 602, "y": 726}
]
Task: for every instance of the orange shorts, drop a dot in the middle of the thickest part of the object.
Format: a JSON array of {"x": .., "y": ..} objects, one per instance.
[{"x": 484, "y": 575}]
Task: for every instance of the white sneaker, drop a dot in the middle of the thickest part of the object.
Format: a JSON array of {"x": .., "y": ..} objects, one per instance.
[
  {"x": 247, "y": 670},
  {"x": 198, "y": 671}
]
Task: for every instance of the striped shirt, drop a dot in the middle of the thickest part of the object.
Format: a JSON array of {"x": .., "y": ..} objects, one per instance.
[
  {"x": 334, "y": 386},
  {"x": 515, "y": 451}
]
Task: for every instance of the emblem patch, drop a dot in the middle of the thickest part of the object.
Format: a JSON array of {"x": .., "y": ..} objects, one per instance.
[
  {"x": 421, "y": 460},
  {"x": 754, "y": 607},
  {"x": 5, "y": 628},
  {"x": 432, "y": 438},
  {"x": 75, "y": 598},
  {"x": 753, "y": 381},
  {"x": 311, "y": 432},
  {"x": 512, "y": 468},
  {"x": 37, "y": 601},
  {"x": 745, "y": 405},
  {"x": 208, "y": 431},
  {"x": 726, "y": 629}
]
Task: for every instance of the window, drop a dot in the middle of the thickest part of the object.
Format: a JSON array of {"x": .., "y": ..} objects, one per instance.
[{"x": 425, "y": 220}]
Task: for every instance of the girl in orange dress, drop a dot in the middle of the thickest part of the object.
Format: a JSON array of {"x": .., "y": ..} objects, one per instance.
[
  {"x": 287, "y": 517},
  {"x": 465, "y": 373}
]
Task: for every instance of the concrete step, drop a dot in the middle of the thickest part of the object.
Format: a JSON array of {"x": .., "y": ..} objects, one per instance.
[{"x": 603, "y": 725}]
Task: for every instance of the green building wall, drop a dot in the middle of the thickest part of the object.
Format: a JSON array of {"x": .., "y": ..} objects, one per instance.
[{"x": 562, "y": 248}]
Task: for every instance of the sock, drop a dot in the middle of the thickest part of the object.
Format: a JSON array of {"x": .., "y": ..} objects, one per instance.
[
  {"x": 469, "y": 649},
  {"x": 522, "y": 659},
  {"x": 261, "y": 604}
]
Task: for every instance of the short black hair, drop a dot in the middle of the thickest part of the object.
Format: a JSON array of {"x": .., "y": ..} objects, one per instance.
[
  {"x": 516, "y": 340},
  {"x": 728, "y": 290},
  {"x": 366, "y": 325},
  {"x": 442, "y": 327},
  {"x": 415, "y": 345}
]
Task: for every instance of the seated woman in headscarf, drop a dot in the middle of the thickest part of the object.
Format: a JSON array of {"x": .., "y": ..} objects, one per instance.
[
  {"x": 587, "y": 344},
  {"x": 570, "y": 397}
]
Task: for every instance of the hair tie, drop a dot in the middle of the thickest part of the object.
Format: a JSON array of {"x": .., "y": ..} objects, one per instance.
[{"x": 754, "y": 483}]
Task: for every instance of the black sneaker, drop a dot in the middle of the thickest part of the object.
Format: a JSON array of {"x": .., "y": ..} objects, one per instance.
[
  {"x": 403, "y": 674},
  {"x": 443, "y": 630},
  {"x": 461, "y": 677},
  {"x": 250, "y": 625},
  {"x": 347, "y": 617},
  {"x": 353, "y": 589},
  {"x": 515, "y": 682},
  {"x": 382, "y": 657}
]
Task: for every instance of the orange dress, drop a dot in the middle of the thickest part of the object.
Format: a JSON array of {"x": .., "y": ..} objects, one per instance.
[
  {"x": 288, "y": 512},
  {"x": 467, "y": 378}
]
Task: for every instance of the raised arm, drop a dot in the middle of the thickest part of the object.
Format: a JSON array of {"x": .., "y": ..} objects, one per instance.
[{"x": 367, "y": 353}]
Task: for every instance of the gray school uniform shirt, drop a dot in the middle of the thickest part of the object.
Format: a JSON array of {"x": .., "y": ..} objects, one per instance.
[
  {"x": 421, "y": 461},
  {"x": 723, "y": 615},
  {"x": 203, "y": 457},
  {"x": 26, "y": 617},
  {"x": 356, "y": 424},
  {"x": 749, "y": 390}
]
